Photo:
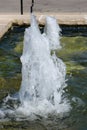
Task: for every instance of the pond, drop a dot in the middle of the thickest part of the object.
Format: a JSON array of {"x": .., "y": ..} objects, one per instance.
[{"x": 74, "y": 55}]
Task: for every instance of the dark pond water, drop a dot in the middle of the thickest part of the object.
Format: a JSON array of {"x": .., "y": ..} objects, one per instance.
[{"x": 74, "y": 55}]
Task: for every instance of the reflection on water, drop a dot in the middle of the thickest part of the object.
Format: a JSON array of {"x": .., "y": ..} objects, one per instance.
[{"x": 74, "y": 54}]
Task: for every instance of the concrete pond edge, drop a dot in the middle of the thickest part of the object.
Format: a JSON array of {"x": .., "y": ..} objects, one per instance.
[{"x": 7, "y": 21}]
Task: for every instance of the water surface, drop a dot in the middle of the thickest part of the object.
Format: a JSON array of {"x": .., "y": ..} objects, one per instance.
[{"x": 74, "y": 55}]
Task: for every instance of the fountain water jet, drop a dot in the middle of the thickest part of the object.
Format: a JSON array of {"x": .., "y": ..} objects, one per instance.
[{"x": 43, "y": 74}]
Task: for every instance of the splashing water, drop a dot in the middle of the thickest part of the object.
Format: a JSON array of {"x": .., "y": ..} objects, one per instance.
[{"x": 43, "y": 74}]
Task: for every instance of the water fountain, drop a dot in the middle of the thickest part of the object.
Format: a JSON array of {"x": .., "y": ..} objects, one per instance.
[
  {"x": 44, "y": 92},
  {"x": 43, "y": 74}
]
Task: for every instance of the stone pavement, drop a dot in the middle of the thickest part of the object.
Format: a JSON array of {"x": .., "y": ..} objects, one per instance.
[
  {"x": 13, "y": 6},
  {"x": 66, "y": 11}
]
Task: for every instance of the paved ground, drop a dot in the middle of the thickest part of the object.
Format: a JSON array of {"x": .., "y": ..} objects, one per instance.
[
  {"x": 66, "y": 11},
  {"x": 13, "y": 6}
]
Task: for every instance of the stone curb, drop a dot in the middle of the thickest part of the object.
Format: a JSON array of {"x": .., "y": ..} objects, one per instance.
[{"x": 62, "y": 18}]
